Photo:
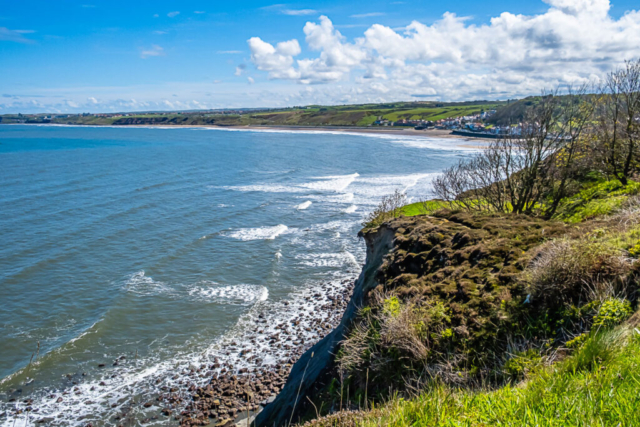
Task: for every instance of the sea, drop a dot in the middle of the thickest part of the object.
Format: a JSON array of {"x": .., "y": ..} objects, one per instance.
[{"x": 130, "y": 254}]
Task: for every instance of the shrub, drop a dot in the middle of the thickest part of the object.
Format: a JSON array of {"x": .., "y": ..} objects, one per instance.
[
  {"x": 392, "y": 306},
  {"x": 577, "y": 341},
  {"x": 566, "y": 271},
  {"x": 612, "y": 312},
  {"x": 401, "y": 328},
  {"x": 522, "y": 362},
  {"x": 390, "y": 207}
]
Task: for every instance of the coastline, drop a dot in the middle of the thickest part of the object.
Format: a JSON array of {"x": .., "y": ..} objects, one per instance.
[
  {"x": 186, "y": 399},
  {"x": 434, "y": 133},
  {"x": 387, "y": 131},
  {"x": 247, "y": 376}
]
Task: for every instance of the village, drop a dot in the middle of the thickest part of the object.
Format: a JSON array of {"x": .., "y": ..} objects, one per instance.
[{"x": 476, "y": 124}]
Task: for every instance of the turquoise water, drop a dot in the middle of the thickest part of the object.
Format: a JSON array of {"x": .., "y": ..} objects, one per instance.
[{"x": 158, "y": 244}]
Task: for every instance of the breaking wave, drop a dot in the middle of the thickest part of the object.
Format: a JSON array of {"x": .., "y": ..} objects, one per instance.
[{"x": 260, "y": 233}]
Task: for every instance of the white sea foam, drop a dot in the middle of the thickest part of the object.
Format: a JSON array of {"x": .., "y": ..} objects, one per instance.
[
  {"x": 231, "y": 294},
  {"x": 303, "y": 206},
  {"x": 260, "y": 233},
  {"x": 331, "y": 260},
  {"x": 141, "y": 284},
  {"x": 351, "y": 209},
  {"x": 266, "y": 188},
  {"x": 278, "y": 254},
  {"x": 331, "y": 198},
  {"x": 422, "y": 141},
  {"x": 331, "y": 183}
]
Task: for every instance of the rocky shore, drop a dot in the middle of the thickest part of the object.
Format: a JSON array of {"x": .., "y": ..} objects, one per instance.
[{"x": 249, "y": 374}]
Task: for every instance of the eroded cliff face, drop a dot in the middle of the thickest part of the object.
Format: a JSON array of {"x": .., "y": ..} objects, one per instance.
[
  {"x": 459, "y": 272},
  {"x": 320, "y": 357}
]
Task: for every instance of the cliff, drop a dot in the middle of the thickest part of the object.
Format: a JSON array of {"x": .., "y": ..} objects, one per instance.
[
  {"x": 320, "y": 357},
  {"x": 463, "y": 297}
]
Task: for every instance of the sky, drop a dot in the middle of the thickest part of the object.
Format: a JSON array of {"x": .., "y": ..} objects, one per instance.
[{"x": 110, "y": 56}]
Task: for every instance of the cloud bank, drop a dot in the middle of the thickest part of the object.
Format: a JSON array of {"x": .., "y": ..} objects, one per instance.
[{"x": 573, "y": 41}]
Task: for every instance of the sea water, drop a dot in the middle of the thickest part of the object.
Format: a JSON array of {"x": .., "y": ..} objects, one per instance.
[{"x": 143, "y": 249}]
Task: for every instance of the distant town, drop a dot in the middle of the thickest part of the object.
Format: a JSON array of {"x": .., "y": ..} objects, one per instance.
[{"x": 477, "y": 118}]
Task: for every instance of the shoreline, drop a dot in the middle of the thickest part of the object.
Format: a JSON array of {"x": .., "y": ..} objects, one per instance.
[
  {"x": 239, "y": 390},
  {"x": 387, "y": 131},
  {"x": 434, "y": 133}
]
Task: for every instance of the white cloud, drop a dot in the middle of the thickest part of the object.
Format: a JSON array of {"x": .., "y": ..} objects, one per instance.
[
  {"x": 277, "y": 60},
  {"x": 15, "y": 35},
  {"x": 366, "y": 15},
  {"x": 92, "y": 100},
  {"x": 154, "y": 51},
  {"x": 573, "y": 41},
  {"x": 251, "y": 80},
  {"x": 229, "y": 52},
  {"x": 199, "y": 12},
  {"x": 173, "y": 14},
  {"x": 240, "y": 69},
  {"x": 335, "y": 61},
  {"x": 298, "y": 12}
]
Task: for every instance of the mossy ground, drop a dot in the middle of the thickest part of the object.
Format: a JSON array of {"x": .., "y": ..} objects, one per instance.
[{"x": 461, "y": 283}]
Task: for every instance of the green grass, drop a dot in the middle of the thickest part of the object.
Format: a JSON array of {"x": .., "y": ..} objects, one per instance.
[
  {"x": 422, "y": 208},
  {"x": 341, "y": 115},
  {"x": 597, "y": 199},
  {"x": 596, "y": 386}
]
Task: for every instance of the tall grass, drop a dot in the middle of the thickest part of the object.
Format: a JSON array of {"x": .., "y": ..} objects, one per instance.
[{"x": 596, "y": 386}]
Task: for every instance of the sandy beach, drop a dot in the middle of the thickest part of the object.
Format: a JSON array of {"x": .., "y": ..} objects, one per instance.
[{"x": 432, "y": 133}]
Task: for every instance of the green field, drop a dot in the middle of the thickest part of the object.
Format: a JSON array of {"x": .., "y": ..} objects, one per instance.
[{"x": 346, "y": 115}]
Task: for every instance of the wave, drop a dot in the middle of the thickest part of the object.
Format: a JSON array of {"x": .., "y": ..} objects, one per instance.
[
  {"x": 351, "y": 209},
  {"x": 260, "y": 233},
  {"x": 265, "y": 188},
  {"x": 110, "y": 392},
  {"x": 332, "y": 183},
  {"x": 141, "y": 284},
  {"x": 303, "y": 206},
  {"x": 331, "y": 260},
  {"x": 231, "y": 294}
]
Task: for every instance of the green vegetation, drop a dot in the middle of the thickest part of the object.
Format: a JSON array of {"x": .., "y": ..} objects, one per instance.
[
  {"x": 347, "y": 115},
  {"x": 595, "y": 386},
  {"x": 502, "y": 305},
  {"x": 596, "y": 199}
]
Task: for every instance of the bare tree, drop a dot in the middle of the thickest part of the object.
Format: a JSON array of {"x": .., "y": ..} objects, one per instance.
[
  {"x": 530, "y": 164},
  {"x": 618, "y": 121},
  {"x": 390, "y": 207},
  {"x": 573, "y": 126}
]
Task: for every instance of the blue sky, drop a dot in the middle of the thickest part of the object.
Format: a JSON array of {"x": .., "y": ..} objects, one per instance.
[{"x": 68, "y": 56}]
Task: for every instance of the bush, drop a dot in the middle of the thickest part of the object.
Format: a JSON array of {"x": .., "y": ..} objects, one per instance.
[
  {"x": 577, "y": 341},
  {"x": 522, "y": 362},
  {"x": 612, "y": 312},
  {"x": 575, "y": 271},
  {"x": 390, "y": 207}
]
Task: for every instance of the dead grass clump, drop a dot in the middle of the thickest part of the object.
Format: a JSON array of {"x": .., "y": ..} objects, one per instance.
[
  {"x": 355, "y": 349},
  {"x": 404, "y": 330},
  {"x": 628, "y": 216},
  {"x": 575, "y": 271}
]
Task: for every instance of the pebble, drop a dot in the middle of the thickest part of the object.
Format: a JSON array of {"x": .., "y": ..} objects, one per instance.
[{"x": 234, "y": 389}]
